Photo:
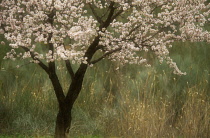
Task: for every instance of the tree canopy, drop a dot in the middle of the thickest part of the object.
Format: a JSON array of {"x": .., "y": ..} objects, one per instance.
[
  {"x": 85, "y": 32},
  {"x": 122, "y": 30}
]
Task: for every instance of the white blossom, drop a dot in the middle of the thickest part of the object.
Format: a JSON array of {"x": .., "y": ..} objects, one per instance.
[{"x": 70, "y": 28}]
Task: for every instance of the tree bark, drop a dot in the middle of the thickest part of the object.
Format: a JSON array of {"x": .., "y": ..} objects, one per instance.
[
  {"x": 66, "y": 103},
  {"x": 63, "y": 122}
]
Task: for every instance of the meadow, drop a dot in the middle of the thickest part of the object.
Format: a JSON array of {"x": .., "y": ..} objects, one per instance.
[{"x": 129, "y": 101}]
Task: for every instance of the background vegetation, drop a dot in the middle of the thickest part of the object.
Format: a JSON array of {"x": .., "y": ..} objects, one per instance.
[{"x": 130, "y": 101}]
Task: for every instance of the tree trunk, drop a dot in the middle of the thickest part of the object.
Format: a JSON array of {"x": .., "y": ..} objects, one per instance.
[{"x": 63, "y": 123}]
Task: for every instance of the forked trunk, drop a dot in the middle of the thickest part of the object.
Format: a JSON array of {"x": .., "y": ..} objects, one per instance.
[{"x": 63, "y": 123}]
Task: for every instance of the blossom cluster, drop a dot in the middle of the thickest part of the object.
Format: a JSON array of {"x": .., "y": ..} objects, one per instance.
[
  {"x": 71, "y": 26},
  {"x": 28, "y": 25}
]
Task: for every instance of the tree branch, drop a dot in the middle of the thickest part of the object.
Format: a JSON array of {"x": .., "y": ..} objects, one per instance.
[
  {"x": 40, "y": 63},
  {"x": 52, "y": 70},
  {"x": 156, "y": 7},
  {"x": 110, "y": 16},
  {"x": 73, "y": 91},
  {"x": 51, "y": 48},
  {"x": 134, "y": 29},
  {"x": 52, "y": 75},
  {"x": 99, "y": 19},
  {"x": 106, "y": 54},
  {"x": 69, "y": 69},
  {"x": 117, "y": 14},
  {"x": 160, "y": 30},
  {"x": 51, "y": 64}
]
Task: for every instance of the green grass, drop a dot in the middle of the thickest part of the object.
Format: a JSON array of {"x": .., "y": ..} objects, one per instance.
[
  {"x": 133, "y": 101},
  {"x": 22, "y": 136}
]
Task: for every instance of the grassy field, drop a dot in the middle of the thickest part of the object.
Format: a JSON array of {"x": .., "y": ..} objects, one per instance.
[{"x": 131, "y": 101}]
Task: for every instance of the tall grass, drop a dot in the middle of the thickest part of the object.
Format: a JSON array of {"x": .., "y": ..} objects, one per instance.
[{"x": 131, "y": 101}]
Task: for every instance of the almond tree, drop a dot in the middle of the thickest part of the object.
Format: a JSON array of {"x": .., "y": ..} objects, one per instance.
[{"x": 73, "y": 31}]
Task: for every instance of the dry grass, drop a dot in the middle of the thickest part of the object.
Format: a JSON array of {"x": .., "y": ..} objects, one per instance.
[{"x": 129, "y": 102}]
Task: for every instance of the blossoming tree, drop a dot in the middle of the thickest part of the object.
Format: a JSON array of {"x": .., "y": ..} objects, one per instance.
[{"x": 73, "y": 31}]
